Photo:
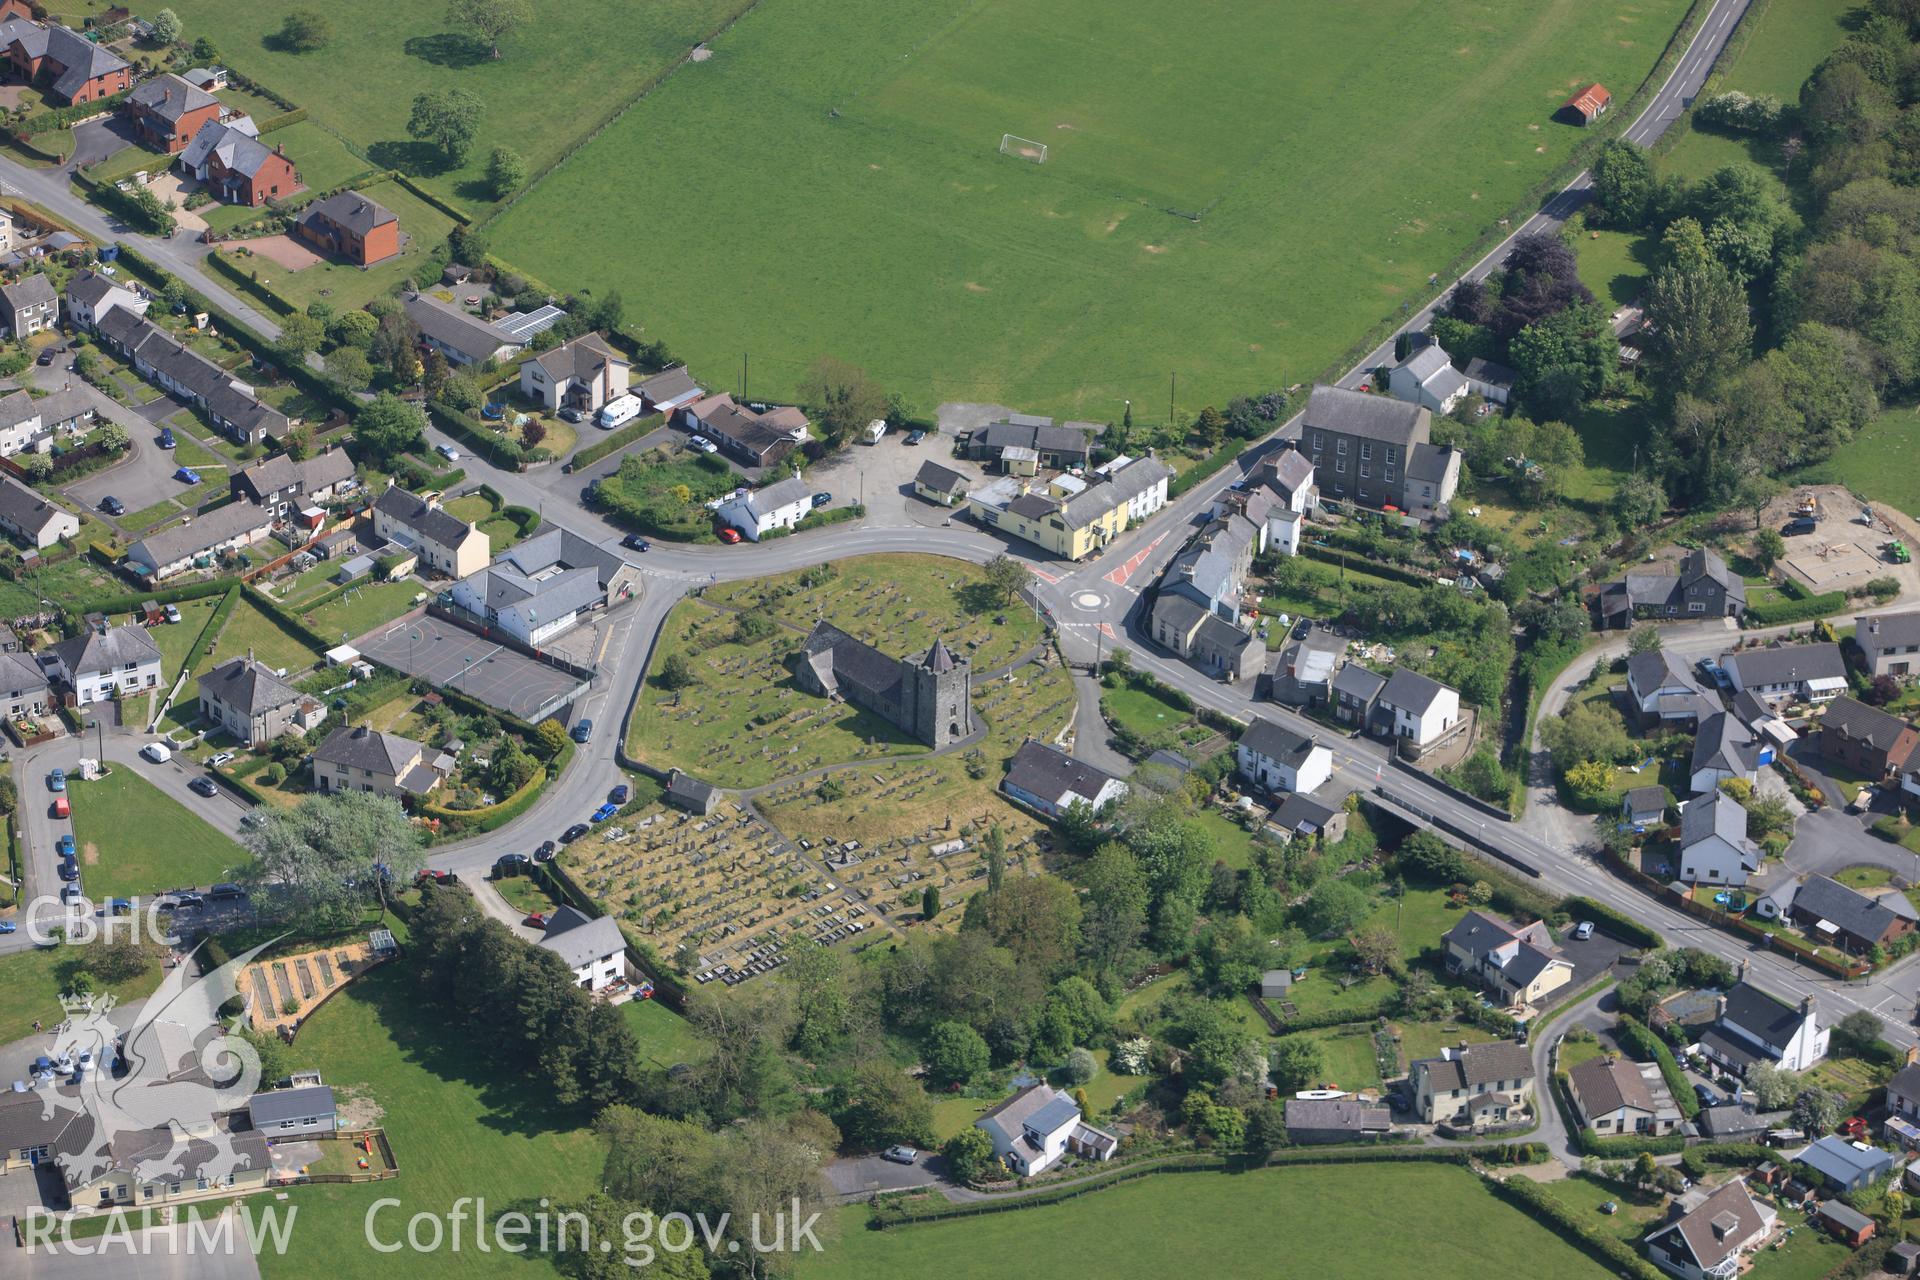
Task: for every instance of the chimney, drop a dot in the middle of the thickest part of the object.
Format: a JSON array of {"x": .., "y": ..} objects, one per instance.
[
  {"x": 1740, "y": 972},
  {"x": 1806, "y": 1006},
  {"x": 1913, "y": 1054}
]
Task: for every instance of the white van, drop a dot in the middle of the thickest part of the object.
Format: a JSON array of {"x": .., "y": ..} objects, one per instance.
[
  {"x": 875, "y": 430},
  {"x": 158, "y": 752},
  {"x": 618, "y": 412}
]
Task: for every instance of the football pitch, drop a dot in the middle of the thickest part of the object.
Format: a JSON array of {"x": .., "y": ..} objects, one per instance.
[{"x": 1231, "y": 192}]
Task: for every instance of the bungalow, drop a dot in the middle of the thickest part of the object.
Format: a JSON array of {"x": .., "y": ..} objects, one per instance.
[
  {"x": 1613, "y": 1096},
  {"x": 1476, "y": 1085},
  {"x": 1714, "y": 848},
  {"x": 72, "y": 68},
  {"x": 1843, "y": 1165},
  {"x": 1046, "y": 778},
  {"x": 668, "y": 392},
  {"x": 1865, "y": 739},
  {"x": 592, "y": 946},
  {"x": 1427, "y": 378},
  {"x": 1710, "y": 1231},
  {"x": 938, "y": 484},
  {"x": 751, "y": 437},
  {"x": 758, "y": 512},
  {"x": 351, "y": 226},
  {"x": 98, "y": 665},
  {"x": 544, "y": 586},
  {"x": 1302, "y": 815},
  {"x": 1753, "y": 1026},
  {"x": 582, "y": 374},
  {"x": 1788, "y": 672},
  {"x": 177, "y": 549},
  {"x": 1037, "y": 1126},
  {"x": 1416, "y": 710},
  {"x": 449, "y": 546},
  {"x": 1664, "y": 690},
  {"x": 1278, "y": 759},
  {"x": 237, "y": 167},
  {"x": 459, "y": 336},
  {"x": 361, "y": 758},
  {"x": 1890, "y": 644},
  {"x": 1519, "y": 964},
  {"x": 1834, "y": 914},
  {"x": 1724, "y": 749},
  {"x": 31, "y": 518},
  {"x": 91, "y": 295},
  {"x": 297, "y": 1112},
  {"x": 23, "y": 686},
  {"x": 1644, "y": 807},
  {"x": 166, "y": 112},
  {"x": 1311, "y": 1120},
  {"x": 1701, "y": 587},
  {"x": 249, "y": 700}
]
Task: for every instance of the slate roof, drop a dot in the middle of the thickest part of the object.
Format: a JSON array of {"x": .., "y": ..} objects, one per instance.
[
  {"x": 1769, "y": 1019},
  {"x": 1603, "y": 1085},
  {"x": 669, "y": 385},
  {"x": 756, "y": 433},
  {"x": 90, "y": 288},
  {"x": 1859, "y": 722},
  {"x": 80, "y": 59},
  {"x": 1428, "y": 461},
  {"x": 1718, "y": 1226},
  {"x": 451, "y": 327},
  {"x": 579, "y": 939},
  {"x": 1723, "y": 742},
  {"x": 26, "y": 509},
  {"x": 20, "y": 673},
  {"x": 1657, "y": 669},
  {"x": 1216, "y": 632},
  {"x": 1889, "y": 630},
  {"x": 838, "y": 658},
  {"x": 1718, "y": 814},
  {"x": 250, "y": 687},
  {"x": 1854, "y": 912},
  {"x": 170, "y": 97},
  {"x": 28, "y": 291},
  {"x": 1024, "y": 432},
  {"x": 235, "y": 143},
  {"x": 120, "y": 646},
  {"x": 1210, "y": 562},
  {"x": 158, "y": 550},
  {"x": 361, "y": 747},
  {"x": 350, "y": 211},
  {"x": 1840, "y": 1161},
  {"x": 1482, "y": 370},
  {"x": 1368, "y": 417},
  {"x": 1292, "y": 469},
  {"x": 1645, "y": 800},
  {"x": 1302, "y": 813},
  {"x": 433, "y": 523},
  {"x": 683, "y": 786},
  {"x": 1347, "y": 1115},
  {"x": 1051, "y": 773},
  {"x": 1359, "y": 682},
  {"x": 938, "y": 479},
  {"x": 1277, "y": 742},
  {"x": 1037, "y": 1105},
  {"x": 768, "y": 499},
  {"x": 554, "y": 573},
  {"x": 582, "y": 358},
  {"x": 279, "y": 1105},
  {"x": 1410, "y": 691},
  {"x": 1480, "y": 1064},
  {"x": 1119, "y": 488},
  {"x": 1477, "y": 933},
  {"x": 1786, "y": 664}
]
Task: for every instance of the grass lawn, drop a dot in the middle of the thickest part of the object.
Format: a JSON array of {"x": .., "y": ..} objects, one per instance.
[
  {"x": 1850, "y": 1076},
  {"x": 250, "y": 630},
  {"x": 134, "y": 838},
  {"x": 1232, "y": 843},
  {"x": 343, "y": 285},
  {"x": 1809, "y": 1255},
  {"x": 61, "y": 584},
  {"x": 1444, "y": 1224},
  {"x": 1347, "y": 1059},
  {"x": 1141, "y": 710},
  {"x": 1426, "y": 1039},
  {"x": 147, "y": 517},
  {"x": 1861, "y": 464},
  {"x": 176, "y": 638},
  {"x": 363, "y": 608},
  {"x": 458, "y": 1125},
  {"x": 1615, "y": 264},
  {"x": 1304, "y": 207},
  {"x": 524, "y": 895},
  {"x": 1638, "y": 1212},
  {"x": 31, "y": 983},
  {"x": 1865, "y": 877},
  {"x": 666, "y": 1038}
]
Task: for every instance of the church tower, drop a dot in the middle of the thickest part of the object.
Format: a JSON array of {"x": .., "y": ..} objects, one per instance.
[{"x": 939, "y": 698}]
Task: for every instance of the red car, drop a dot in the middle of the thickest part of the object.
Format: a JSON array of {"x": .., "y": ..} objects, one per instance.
[
  {"x": 729, "y": 534},
  {"x": 536, "y": 919}
]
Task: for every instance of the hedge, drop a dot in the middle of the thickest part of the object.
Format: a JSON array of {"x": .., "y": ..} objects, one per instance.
[
  {"x": 416, "y": 477},
  {"x": 460, "y": 216},
  {"x": 613, "y": 440},
  {"x": 1546, "y": 1208},
  {"x": 525, "y": 519},
  {"x": 1802, "y": 610},
  {"x": 1626, "y": 1147},
  {"x": 110, "y": 197},
  {"x": 493, "y": 815},
  {"x": 1641, "y": 1041},
  {"x": 132, "y": 600},
  {"x": 1618, "y": 923},
  {"x": 495, "y": 448},
  {"x": 1377, "y": 568},
  {"x": 61, "y": 117},
  {"x": 1208, "y": 466},
  {"x": 294, "y": 628},
  {"x": 818, "y": 519},
  {"x": 215, "y": 621},
  {"x": 282, "y": 120}
]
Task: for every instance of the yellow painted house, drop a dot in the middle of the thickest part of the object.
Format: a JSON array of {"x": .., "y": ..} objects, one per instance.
[{"x": 1071, "y": 517}]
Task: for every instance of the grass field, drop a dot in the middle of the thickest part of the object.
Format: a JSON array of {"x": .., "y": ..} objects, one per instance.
[
  {"x": 556, "y": 77},
  {"x": 31, "y": 983},
  {"x": 953, "y": 272},
  {"x": 343, "y": 285},
  {"x": 666, "y": 1038},
  {"x": 1861, "y": 464},
  {"x": 134, "y": 838},
  {"x": 1444, "y": 1226},
  {"x": 249, "y": 630},
  {"x": 1615, "y": 265},
  {"x": 363, "y": 608}
]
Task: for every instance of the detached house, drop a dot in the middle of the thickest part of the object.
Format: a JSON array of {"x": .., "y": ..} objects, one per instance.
[
  {"x": 1049, "y": 780},
  {"x": 751, "y": 437},
  {"x": 1866, "y": 739},
  {"x": 167, "y": 112},
  {"x": 1702, "y": 587},
  {"x": 1788, "y": 672},
  {"x": 72, "y": 68},
  {"x": 1753, "y": 1026},
  {"x": 348, "y": 225},
  {"x": 1842, "y": 917},
  {"x": 544, "y": 586},
  {"x": 1476, "y": 1085},
  {"x": 459, "y": 336},
  {"x": 1278, "y": 759},
  {"x": 582, "y": 374},
  {"x": 31, "y": 518},
  {"x": 1519, "y": 963},
  {"x": 758, "y": 512},
  {"x": 97, "y": 665},
  {"x": 250, "y": 701},
  {"x": 1665, "y": 691},
  {"x": 1709, "y": 1230},
  {"x": 1427, "y": 378},
  {"x": 1714, "y": 848},
  {"x": 1614, "y": 1096},
  {"x": 1034, "y": 1128},
  {"x": 29, "y": 306},
  {"x": 360, "y": 758},
  {"x": 237, "y": 167},
  {"x": 446, "y": 545},
  {"x": 1724, "y": 749},
  {"x": 1890, "y": 644},
  {"x": 91, "y": 295},
  {"x": 592, "y": 946}
]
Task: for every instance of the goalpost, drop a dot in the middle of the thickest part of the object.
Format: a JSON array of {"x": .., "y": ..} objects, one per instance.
[{"x": 1023, "y": 148}]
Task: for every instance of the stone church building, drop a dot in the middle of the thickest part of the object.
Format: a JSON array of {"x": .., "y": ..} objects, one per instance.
[{"x": 929, "y": 696}]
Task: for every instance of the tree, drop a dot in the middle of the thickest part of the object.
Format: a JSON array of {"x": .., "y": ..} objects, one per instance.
[
  {"x": 1336, "y": 907},
  {"x": 118, "y": 959},
  {"x": 1297, "y": 1063},
  {"x": 1266, "y": 1131},
  {"x": 1114, "y": 916},
  {"x": 388, "y": 426},
  {"x": 1768, "y": 547},
  {"x": 969, "y": 1153},
  {"x": 1698, "y": 331},
  {"x": 1427, "y": 856},
  {"x": 1816, "y": 1110},
  {"x": 1856, "y": 1034},
  {"x": 881, "y": 1107},
  {"x": 930, "y": 902},
  {"x": 955, "y": 1053},
  {"x": 490, "y": 20},
  {"x": 1081, "y": 1066},
  {"x": 111, "y": 436},
  {"x": 1037, "y": 919},
  {"x": 349, "y": 367},
  {"x": 305, "y": 30},
  {"x": 329, "y": 854},
  {"x": 205, "y": 52},
  {"x": 299, "y": 334},
  {"x": 1006, "y": 576},
  {"x": 676, "y": 672},
  {"x": 1623, "y": 181},
  {"x": 1644, "y": 640},
  {"x": 448, "y": 118},
  {"x": 843, "y": 399},
  {"x": 1377, "y": 946},
  {"x": 1210, "y": 427},
  {"x": 506, "y": 172},
  {"x": 355, "y": 329},
  {"x": 1639, "y": 502},
  {"x": 166, "y": 27}
]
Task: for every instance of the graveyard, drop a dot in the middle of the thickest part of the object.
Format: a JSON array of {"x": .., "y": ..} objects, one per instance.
[{"x": 734, "y": 716}]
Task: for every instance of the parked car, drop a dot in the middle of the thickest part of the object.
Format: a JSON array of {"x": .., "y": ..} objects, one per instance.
[
  {"x": 225, "y": 892},
  {"x": 822, "y": 499},
  {"x": 1705, "y": 1094},
  {"x": 46, "y": 357},
  {"x": 113, "y": 506},
  {"x": 536, "y": 919},
  {"x": 915, "y": 436},
  {"x": 703, "y": 444},
  {"x": 511, "y": 864},
  {"x": 574, "y": 832},
  {"x": 900, "y": 1155},
  {"x": 546, "y": 852},
  {"x": 604, "y": 812},
  {"x": 729, "y": 534},
  {"x": 1804, "y": 524},
  {"x": 570, "y": 414},
  {"x": 1583, "y": 930},
  {"x": 438, "y": 877},
  {"x": 69, "y": 870},
  {"x": 57, "y": 780},
  {"x": 448, "y": 452},
  {"x": 6, "y": 926},
  {"x": 71, "y": 893},
  {"x": 166, "y": 437},
  {"x": 61, "y": 808},
  {"x": 620, "y": 794},
  {"x": 583, "y": 731},
  {"x": 158, "y": 752},
  {"x": 219, "y": 759},
  {"x": 1713, "y": 671},
  {"x": 187, "y": 475},
  {"x": 64, "y": 845},
  {"x": 634, "y": 542},
  {"x": 173, "y": 613},
  {"x": 204, "y": 787},
  {"x": 114, "y": 907}
]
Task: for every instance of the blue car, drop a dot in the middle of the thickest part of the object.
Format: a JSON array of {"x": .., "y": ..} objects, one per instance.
[
  {"x": 6, "y": 926},
  {"x": 620, "y": 794},
  {"x": 166, "y": 437},
  {"x": 604, "y": 812},
  {"x": 57, "y": 780},
  {"x": 64, "y": 846},
  {"x": 583, "y": 731},
  {"x": 187, "y": 475},
  {"x": 69, "y": 870}
]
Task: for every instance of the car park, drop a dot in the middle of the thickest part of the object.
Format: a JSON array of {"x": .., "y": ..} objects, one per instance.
[
  {"x": 57, "y": 780},
  {"x": 113, "y": 506},
  {"x": 203, "y": 787},
  {"x": 900, "y": 1155},
  {"x": 574, "y": 832},
  {"x": 729, "y": 534}
]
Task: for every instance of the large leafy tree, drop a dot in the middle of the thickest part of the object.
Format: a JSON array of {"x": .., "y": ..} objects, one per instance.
[
  {"x": 1700, "y": 333},
  {"x": 330, "y": 855},
  {"x": 449, "y": 119},
  {"x": 388, "y": 426},
  {"x": 490, "y": 21},
  {"x": 1623, "y": 182}
]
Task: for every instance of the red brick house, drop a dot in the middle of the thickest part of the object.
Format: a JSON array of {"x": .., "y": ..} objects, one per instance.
[
  {"x": 1865, "y": 739},
  {"x": 167, "y": 112},
  {"x": 69, "y": 66},
  {"x": 15, "y": 9},
  {"x": 350, "y": 226},
  {"x": 237, "y": 167}
]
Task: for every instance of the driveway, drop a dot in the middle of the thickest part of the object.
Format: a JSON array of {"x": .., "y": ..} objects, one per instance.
[
  {"x": 1830, "y": 840},
  {"x": 857, "y": 1177},
  {"x": 96, "y": 140}
]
